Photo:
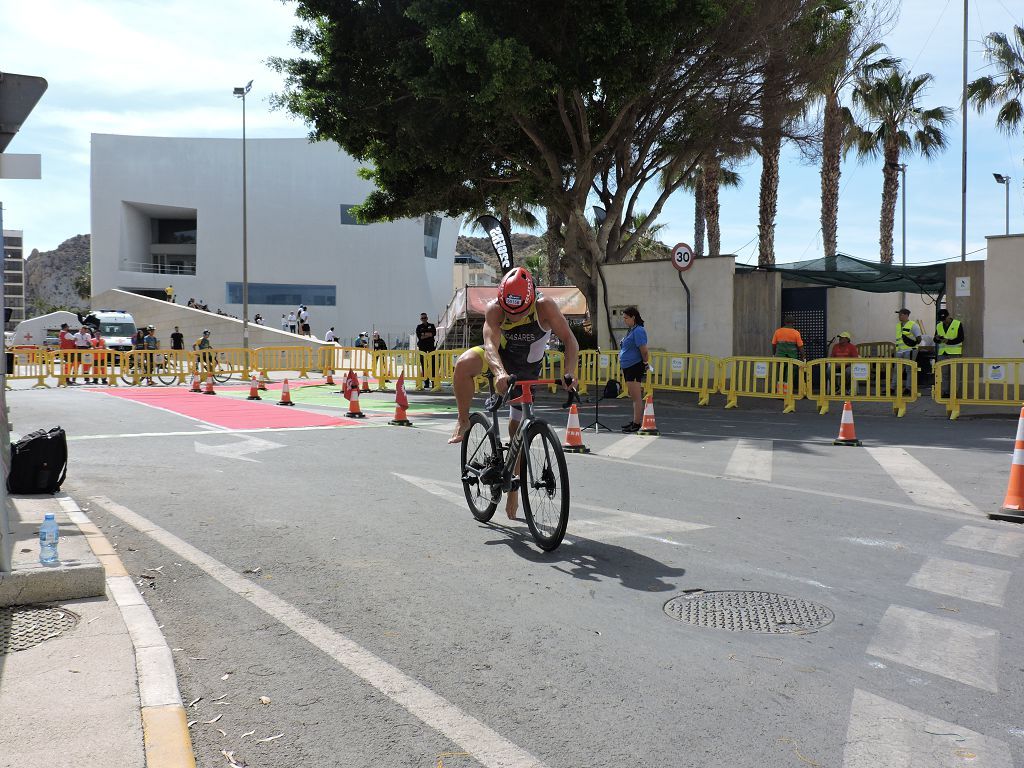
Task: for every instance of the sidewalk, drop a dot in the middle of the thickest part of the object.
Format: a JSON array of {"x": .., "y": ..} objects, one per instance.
[{"x": 86, "y": 678}]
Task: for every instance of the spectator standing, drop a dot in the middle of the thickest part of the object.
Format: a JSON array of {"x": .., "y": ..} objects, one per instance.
[
  {"x": 633, "y": 360},
  {"x": 83, "y": 342},
  {"x": 949, "y": 345},
  {"x": 99, "y": 369},
  {"x": 291, "y": 321},
  {"x": 66, "y": 341},
  {"x": 908, "y": 337},
  {"x": 789, "y": 344},
  {"x": 177, "y": 339},
  {"x": 150, "y": 343},
  {"x": 284, "y": 322},
  {"x": 169, "y": 291},
  {"x": 426, "y": 335},
  {"x": 378, "y": 342},
  {"x": 303, "y": 316}
]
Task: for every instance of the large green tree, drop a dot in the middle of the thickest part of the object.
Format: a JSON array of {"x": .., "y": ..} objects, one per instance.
[
  {"x": 1005, "y": 88},
  {"x": 895, "y": 123},
  {"x": 553, "y": 102}
]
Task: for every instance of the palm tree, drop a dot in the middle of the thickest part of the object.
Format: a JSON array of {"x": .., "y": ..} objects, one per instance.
[
  {"x": 895, "y": 123},
  {"x": 1007, "y": 86},
  {"x": 716, "y": 177},
  {"x": 854, "y": 37}
]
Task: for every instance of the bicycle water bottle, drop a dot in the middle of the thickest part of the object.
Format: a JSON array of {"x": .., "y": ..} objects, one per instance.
[{"x": 48, "y": 536}]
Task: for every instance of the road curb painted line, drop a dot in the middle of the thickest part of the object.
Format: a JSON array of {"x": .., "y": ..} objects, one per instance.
[{"x": 166, "y": 739}]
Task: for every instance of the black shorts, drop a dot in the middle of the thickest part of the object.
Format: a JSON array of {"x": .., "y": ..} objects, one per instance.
[{"x": 636, "y": 372}]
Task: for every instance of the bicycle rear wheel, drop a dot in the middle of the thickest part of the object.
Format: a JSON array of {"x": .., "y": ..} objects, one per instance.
[
  {"x": 545, "y": 486},
  {"x": 167, "y": 374},
  {"x": 479, "y": 451},
  {"x": 221, "y": 375}
]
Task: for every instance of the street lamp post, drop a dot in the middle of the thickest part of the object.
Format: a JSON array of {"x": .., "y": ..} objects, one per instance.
[
  {"x": 241, "y": 92},
  {"x": 902, "y": 168},
  {"x": 1005, "y": 181}
]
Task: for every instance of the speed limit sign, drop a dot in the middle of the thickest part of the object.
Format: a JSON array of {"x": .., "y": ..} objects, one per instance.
[{"x": 682, "y": 257}]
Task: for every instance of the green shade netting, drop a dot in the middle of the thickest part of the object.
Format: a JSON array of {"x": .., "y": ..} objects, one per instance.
[{"x": 847, "y": 272}]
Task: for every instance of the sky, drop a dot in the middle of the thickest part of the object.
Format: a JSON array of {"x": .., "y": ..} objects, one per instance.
[{"x": 157, "y": 68}]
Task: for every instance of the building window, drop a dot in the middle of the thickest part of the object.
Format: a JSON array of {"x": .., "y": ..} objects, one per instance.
[
  {"x": 285, "y": 294},
  {"x": 431, "y": 235},
  {"x": 347, "y": 218},
  {"x": 174, "y": 231}
]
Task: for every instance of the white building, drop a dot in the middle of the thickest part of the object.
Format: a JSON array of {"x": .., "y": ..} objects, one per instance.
[
  {"x": 168, "y": 211},
  {"x": 14, "y": 276}
]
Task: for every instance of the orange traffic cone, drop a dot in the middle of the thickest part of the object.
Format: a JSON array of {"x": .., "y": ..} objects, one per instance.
[
  {"x": 286, "y": 395},
  {"x": 365, "y": 386},
  {"x": 847, "y": 434},
  {"x": 573, "y": 436},
  {"x": 209, "y": 385},
  {"x": 354, "y": 411},
  {"x": 330, "y": 379},
  {"x": 648, "y": 427},
  {"x": 194, "y": 386},
  {"x": 262, "y": 383},
  {"x": 400, "y": 419},
  {"x": 254, "y": 390},
  {"x": 1013, "y": 504}
]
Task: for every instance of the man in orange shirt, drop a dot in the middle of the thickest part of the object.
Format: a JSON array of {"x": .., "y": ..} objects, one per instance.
[
  {"x": 787, "y": 341},
  {"x": 99, "y": 368},
  {"x": 67, "y": 342}
]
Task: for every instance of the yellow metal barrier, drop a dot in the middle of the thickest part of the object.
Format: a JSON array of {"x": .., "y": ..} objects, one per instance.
[
  {"x": 979, "y": 381},
  {"x": 877, "y": 349},
  {"x": 30, "y": 364},
  {"x": 345, "y": 359},
  {"x": 444, "y": 365},
  {"x": 168, "y": 366},
  {"x": 388, "y": 364},
  {"x": 70, "y": 364},
  {"x": 775, "y": 378},
  {"x": 597, "y": 367},
  {"x": 863, "y": 379},
  {"x": 301, "y": 359},
  {"x": 679, "y": 372}
]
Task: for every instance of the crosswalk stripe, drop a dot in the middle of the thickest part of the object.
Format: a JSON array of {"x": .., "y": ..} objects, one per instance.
[
  {"x": 920, "y": 483},
  {"x": 751, "y": 459},
  {"x": 945, "y": 647},
  {"x": 884, "y": 733},
  {"x": 964, "y": 580},
  {"x": 626, "y": 447},
  {"x": 988, "y": 540}
]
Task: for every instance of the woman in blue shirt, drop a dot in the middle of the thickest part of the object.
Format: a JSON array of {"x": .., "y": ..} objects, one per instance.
[{"x": 633, "y": 358}]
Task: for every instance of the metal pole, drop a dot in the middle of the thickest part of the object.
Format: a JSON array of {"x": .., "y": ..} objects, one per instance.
[
  {"x": 6, "y": 540},
  {"x": 1007, "y": 185},
  {"x": 903, "y": 172},
  {"x": 687, "y": 289},
  {"x": 963, "y": 159},
  {"x": 245, "y": 238}
]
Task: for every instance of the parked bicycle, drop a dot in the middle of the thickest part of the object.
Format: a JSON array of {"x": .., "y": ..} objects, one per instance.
[{"x": 532, "y": 462}]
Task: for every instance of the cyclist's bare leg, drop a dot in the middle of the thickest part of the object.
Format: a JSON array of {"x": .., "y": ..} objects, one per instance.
[
  {"x": 512, "y": 497},
  {"x": 469, "y": 366}
]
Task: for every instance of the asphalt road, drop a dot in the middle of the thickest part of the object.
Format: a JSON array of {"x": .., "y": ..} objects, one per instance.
[{"x": 338, "y": 573}]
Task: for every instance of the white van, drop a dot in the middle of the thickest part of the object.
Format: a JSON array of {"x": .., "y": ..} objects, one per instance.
[
  {"x": 116, "y": 325},
  {"x": 42, "y": 331}
]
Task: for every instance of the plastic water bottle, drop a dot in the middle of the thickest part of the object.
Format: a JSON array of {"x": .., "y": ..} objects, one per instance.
[{"x": 48, "y": 537}]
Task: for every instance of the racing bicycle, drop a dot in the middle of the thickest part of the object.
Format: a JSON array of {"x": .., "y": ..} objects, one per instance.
[{"x": 532, "y": 461}]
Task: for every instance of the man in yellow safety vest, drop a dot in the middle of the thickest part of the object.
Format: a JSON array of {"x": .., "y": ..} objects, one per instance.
[
  {"x": 949, "y": 344},
  {"x": 908, "y": 336}
]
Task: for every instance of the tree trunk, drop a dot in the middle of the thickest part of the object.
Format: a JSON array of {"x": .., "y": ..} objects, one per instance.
[
  {"x": 890, "y": 190},
  {"x": 699, "y": 187},
  {"x": 831, "y": 151},
  {"x": 712, "y": 179},
  {"x": 768, "y": 201},
  {"x": 553, "y": 243}
]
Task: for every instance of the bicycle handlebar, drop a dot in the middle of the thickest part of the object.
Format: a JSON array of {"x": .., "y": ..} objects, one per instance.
[{"x": 495, "y": 401}]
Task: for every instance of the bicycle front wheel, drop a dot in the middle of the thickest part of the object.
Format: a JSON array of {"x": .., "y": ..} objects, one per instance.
[
  {"x": 167, "y": 374},
  {"x": 479, "y": 452},
  {"x": 545, "y": 486},
  {"x": 221, "y": 375}
]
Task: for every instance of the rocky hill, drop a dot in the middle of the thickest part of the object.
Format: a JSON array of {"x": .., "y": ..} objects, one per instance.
[
  {"x": 57, "y": 279},
  {"x": 523, "y": 246}
]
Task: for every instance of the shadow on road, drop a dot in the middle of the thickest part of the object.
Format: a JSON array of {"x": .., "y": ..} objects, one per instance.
[{"x": 591, "y": 560}]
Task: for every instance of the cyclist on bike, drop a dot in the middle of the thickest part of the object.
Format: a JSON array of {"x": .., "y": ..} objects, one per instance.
[
  {"x": 517, "y": 326},
  {"x": 203, "y": 346}
]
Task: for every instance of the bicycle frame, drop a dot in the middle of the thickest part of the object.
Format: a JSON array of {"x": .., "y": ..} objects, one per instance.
[{"x": 508, "y": 454}]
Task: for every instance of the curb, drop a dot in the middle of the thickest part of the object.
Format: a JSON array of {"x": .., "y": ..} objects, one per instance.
[{"x": 166, "y": 739}]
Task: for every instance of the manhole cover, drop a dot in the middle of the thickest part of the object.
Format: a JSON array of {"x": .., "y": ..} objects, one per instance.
[
  {"x": 749, "y": 612},
  {"x": 23, "y": 626}
]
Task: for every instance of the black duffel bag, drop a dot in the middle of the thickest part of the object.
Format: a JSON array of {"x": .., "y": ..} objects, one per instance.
[{"x": 39, "y": 462}]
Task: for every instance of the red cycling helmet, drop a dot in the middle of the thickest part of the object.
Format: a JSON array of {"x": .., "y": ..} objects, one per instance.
[{"x": 516, "y": 292}]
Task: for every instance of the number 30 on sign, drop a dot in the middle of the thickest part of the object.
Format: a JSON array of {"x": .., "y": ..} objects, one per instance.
[{"x": 682, "y": 257}]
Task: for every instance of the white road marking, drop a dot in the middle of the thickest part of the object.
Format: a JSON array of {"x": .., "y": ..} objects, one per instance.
[
  {"x": 210, "y": 429},
  {"x": 787, "y": 488},
  {"x": 988, "y": 540},
  {"x": 239, "y": 450},
  {"x": 751, "y": 459},
  {"x": 920, "y": 483},
  {"x": 626, "y": 447},
  {"x": 485, "y": 745},
  {"x": 622, "y": 524},
  {"x": 884, "y": 733},
  {"x": 964, "y": 580},
  {"x": 945, "y": 647},
  {"x": 894, "y": 545}
]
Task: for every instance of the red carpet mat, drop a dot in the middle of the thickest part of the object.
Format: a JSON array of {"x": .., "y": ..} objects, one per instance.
[{"x": 227, "y": 412}]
